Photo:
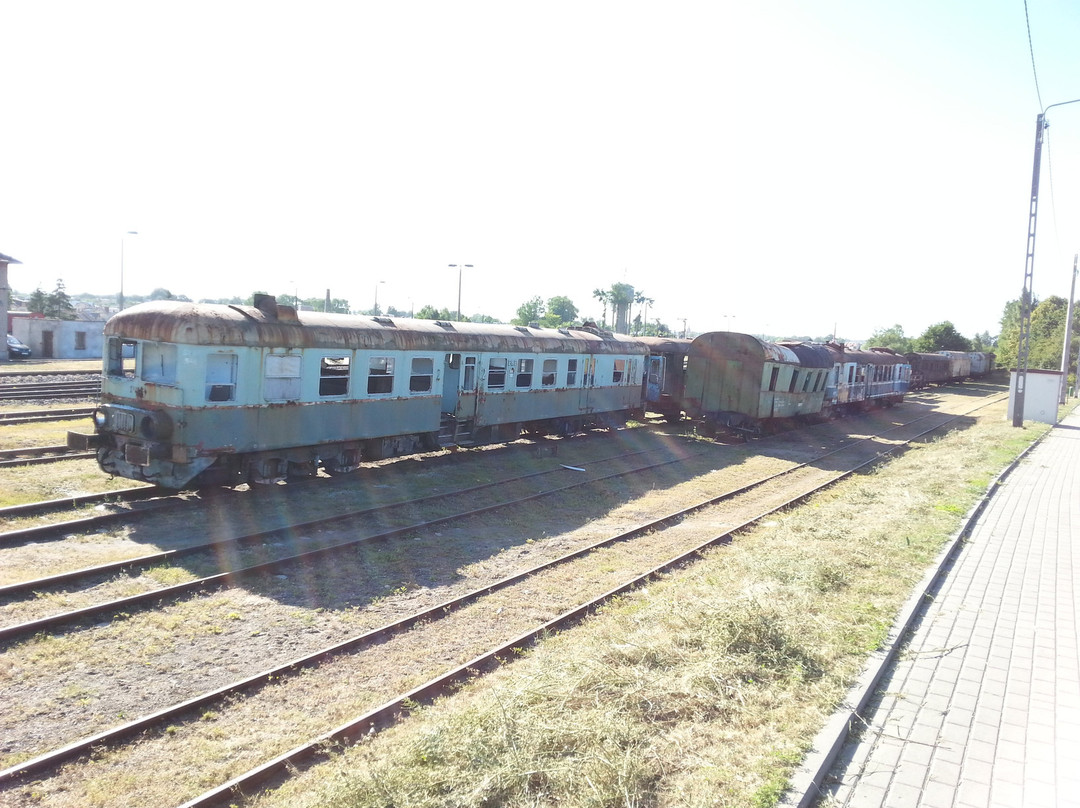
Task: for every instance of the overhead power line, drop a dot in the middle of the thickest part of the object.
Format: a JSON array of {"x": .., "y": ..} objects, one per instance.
[{"x": 1031, "y": 49}]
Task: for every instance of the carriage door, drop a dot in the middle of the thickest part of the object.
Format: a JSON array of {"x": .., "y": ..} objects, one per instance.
[
  {"x": 588, "y": 379},
  {"x": 654, "y": 384},
  {"x": 451, "y": 381},
  {"x": 459, "y": 386}
]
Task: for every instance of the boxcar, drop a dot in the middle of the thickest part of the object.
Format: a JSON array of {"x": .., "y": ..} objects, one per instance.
[
  {"x": 927, "y": 369},
  {"x": 959, "y": 364},
  {"x": 982, "y": 364}
]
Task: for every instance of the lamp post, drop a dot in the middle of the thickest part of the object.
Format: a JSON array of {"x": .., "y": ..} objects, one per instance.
[
  {"x": 128, "y": 233},
  {"x": 460, "y": 267},
  {"x": 375, "y": 311}
]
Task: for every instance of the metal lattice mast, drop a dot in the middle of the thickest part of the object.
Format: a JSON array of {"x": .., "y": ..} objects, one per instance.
[{"x": 1029, "y": 266}]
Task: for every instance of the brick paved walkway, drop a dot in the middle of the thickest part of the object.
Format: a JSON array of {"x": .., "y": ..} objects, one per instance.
[{"x": 981, "y": 708}]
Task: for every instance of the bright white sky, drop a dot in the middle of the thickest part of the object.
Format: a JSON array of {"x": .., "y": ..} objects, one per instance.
[{"x": 778, "y": 167}]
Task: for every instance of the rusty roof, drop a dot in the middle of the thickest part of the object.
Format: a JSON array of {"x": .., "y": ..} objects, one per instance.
[{"x": 283, "y": 327}]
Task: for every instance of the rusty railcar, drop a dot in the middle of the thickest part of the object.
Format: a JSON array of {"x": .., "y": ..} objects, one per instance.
[
  {"x": 741, "y": 382},
  {"x": 982, "y": 364},
  {"x": 959, "y": 364},
  {"x": 927, "y": 369},
  {"x": 860, "y": 379},
  {"x": 214, "y": 394}
]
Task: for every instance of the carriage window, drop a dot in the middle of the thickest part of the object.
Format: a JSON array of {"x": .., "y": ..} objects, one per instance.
[
  {"x": 118, "y": 350},
  {"x": 221, "y": 377},
  {"x": 423, "y": 369},
  {"x": 794, "y": 383},
  {"x": 468, "y": 381},
  {"x": 850, "y": 374},
  {"x": 619, "y": 373},
  {"x": 548, "y": 377},
  {"x": 806, "y": 382},
  {"x": 334, "y": 376},
  {"x": 159, "y": 362},
  {"x": 380, "y": 375},
  {"x": 282, "y": 379},
  {"x": 571, "y": 372},
  {"x": 524, "y": 373},
  {"x": 774, "y": 378},
  {"x": 496, "y": 378}
]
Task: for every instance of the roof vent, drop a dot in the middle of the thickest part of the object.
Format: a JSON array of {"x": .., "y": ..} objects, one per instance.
[
  {"x": 383, "y": 320},
  {"x": 267, "y": 304},
  {"x": 444, "y": 324},
  {"x": 287, "y": 314}
]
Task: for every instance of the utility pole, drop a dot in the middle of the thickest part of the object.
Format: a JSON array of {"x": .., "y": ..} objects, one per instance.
[
  {"x": 1029, "y": 266},
  {"x": 1066, "y": 351}
]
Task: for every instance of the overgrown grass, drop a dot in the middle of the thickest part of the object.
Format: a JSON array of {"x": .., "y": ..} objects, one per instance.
[{"x": 704, "y": 689}]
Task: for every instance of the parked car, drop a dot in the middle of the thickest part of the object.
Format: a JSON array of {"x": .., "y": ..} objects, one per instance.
[{"x": 16, "y": 349}]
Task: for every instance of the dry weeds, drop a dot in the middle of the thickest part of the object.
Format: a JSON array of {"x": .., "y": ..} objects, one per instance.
[{"x": 704, "y": 689}]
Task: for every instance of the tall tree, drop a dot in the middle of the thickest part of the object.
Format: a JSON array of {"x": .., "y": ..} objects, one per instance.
[
  {"x": 38, "y": 301},
  {"x": 560, "y": 312},
  {"x": 58, "y": 304},
  {"x": 891, "y": 338},
  {"x": 1048, "y": 333},
  {"x": 604, "y": 297},
  {"x": 942, "y": 336},
  {"x": 531, "y": 311}
]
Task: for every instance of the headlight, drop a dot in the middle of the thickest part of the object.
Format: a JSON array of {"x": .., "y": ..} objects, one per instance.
[
  {"x": 100, "y": 419},
  {"x": 156, "y": 426}
]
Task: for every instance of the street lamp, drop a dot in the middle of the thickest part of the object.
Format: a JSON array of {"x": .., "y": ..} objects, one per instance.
[
  {"x": 459, "y": 269},
  {"x": 375, "y": 311},
  {"x": 128, "y": 233}
]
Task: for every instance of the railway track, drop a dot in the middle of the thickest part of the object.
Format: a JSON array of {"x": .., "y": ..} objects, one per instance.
[
  {"x": 15, "y": 417},
  {"x": 37, "y": 391},
  {"x": 814, "y": 475},
  {"x": 39, "y": 455}
]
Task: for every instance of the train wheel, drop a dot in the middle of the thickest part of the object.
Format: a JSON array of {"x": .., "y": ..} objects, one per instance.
[
  {"x": 308, "y": 468},
  {"x": 374, "y": 449}
]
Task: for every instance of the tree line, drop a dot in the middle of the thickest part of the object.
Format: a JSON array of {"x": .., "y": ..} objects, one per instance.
[{"x": 625, "y": 310}]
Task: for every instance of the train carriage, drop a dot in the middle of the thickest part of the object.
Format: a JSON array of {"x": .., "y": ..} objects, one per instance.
[
  {"x": 982, "y": 364},
  {"x": 959, "y": 364},
  {"x": 861, "y": 378},
  {"x": 927, "y": 369},
  {"x": 229, "y": 394},
  {"x": 739, "y": 381}
]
